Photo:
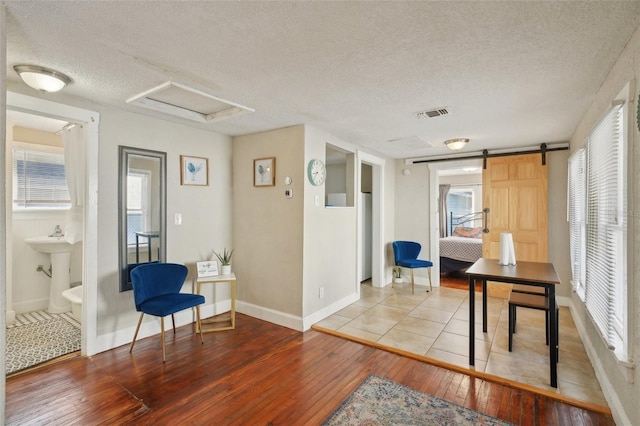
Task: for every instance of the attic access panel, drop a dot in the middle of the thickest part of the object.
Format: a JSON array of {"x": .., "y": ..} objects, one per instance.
[{"x": 186, "y": 102}]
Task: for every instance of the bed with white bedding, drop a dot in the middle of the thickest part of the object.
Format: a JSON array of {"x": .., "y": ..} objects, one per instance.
[{"x": 463, "y": 247}]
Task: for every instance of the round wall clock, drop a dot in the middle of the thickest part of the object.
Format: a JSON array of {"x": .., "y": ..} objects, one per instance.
[{"x": 316, "y": 172}]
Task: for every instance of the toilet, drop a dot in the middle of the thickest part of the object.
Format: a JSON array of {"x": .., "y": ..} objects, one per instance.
[{"x": 74, "y": 295}]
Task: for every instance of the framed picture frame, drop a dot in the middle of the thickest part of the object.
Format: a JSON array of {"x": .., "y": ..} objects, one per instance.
[
  {"x": 264, "y": 171},
  {"x": 194, "y": 170},
  {"x": 207, "y": 268}
]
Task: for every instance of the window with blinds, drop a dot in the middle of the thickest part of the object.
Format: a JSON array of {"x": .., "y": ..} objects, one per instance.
[
  {"x": 39, "y": 179},
  {"x": 576, "y": 217},
  {"x": 605, "y": 228}
]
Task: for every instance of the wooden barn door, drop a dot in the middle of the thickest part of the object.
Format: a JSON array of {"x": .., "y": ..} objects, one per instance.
[{"x": 515, "y": 191}]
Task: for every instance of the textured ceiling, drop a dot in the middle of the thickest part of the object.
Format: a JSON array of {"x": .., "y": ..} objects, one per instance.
[{"x": 511, "y": 74}]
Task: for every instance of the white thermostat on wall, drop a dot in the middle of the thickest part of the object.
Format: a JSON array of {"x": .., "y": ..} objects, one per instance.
[{"x": 288, "y": 180}]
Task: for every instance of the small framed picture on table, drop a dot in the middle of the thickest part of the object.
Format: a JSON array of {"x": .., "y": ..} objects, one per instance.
[{"x": 207, "y": 268}]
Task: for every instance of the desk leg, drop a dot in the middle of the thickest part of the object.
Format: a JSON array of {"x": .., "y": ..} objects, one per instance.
[
  {"x": 484, "y": 306},
  {"x": 472, "y": 318},
  {"x": 553, "y": 332}
]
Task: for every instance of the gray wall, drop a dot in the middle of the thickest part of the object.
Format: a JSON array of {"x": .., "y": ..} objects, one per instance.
[{"x": 621, "y": 388}]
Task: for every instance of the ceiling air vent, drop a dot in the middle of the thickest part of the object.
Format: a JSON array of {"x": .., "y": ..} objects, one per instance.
[{"x": 432, "y": 113}]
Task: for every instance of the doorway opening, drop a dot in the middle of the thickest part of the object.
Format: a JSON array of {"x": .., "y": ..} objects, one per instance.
[
  {"x": 462, "y": 179},
  {"x": 89, "y": 253}
]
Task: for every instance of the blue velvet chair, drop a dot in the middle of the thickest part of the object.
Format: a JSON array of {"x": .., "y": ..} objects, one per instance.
[
  {"x": 156, "y": 291},
  {"x": 406, "y": 254}
]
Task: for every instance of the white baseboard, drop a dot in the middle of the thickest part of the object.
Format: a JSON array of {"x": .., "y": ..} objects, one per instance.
[
  {"x": 32, "y": 305},
  {"x": 276, "y": 317},
  {"x": 317, "y": 316},
  {"x": 151, "y": 326},
  {"x": 292, "y": 321}
]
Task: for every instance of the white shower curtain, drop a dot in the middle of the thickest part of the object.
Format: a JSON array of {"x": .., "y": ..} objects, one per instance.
[{"x": 75, "y": 164}]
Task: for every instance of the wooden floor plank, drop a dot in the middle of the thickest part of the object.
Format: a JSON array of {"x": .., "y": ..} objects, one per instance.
[{"x": 258, "y": 374}]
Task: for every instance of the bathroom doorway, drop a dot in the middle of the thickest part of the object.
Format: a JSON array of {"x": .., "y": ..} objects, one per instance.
[
  {"x": 40, "y": 326},
  {"x": 85, "y": 268}
]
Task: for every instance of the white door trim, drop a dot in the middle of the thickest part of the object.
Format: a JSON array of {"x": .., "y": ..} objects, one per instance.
[{"x": 378, "y": 275}]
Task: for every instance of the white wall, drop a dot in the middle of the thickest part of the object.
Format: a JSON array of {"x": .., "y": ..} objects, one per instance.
[
  {"x": 206, "y": 211},
  {"x": 30, "y": 289},
  {"x": 330, "y": 237},
  {"x": 558, "y": 227},
  {"x": 390, "y": 216},
  {"x": 336, "y": 178},
  {"x": 622, "y": 394},
  {"x": 412, "y": 220}
]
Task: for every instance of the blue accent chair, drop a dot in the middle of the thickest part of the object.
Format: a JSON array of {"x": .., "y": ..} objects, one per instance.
[
  {"x": 406, "y": 255},
  {"x": 156, "y": 291}
]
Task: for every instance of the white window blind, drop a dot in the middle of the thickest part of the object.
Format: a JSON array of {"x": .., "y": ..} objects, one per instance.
[
  {"x": 576, "y": 217},
  {"x": 605, "y": 266},
  {"x": 39, "y": 179}
]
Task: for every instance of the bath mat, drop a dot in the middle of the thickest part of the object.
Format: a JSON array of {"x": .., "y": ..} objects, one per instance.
[
  {"x": 380, "y": 401},
  {"x": 40, "y": 341}
]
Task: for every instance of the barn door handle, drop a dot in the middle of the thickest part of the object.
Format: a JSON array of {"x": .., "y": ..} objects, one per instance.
[{"x": 486, "y": 220}]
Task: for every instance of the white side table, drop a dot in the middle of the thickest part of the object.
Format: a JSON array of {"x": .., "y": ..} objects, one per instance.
[{"x": 230, "y": 278}]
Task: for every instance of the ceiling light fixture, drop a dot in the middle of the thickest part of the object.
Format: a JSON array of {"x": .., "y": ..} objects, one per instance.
[
  {"x": 42, "y": 79},
  {"x": 456, "y": 144}
]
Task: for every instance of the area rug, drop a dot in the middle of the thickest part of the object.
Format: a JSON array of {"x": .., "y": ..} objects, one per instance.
[
  {"x": 380, "y": 401},
  {"x": 37, "y": 342}
]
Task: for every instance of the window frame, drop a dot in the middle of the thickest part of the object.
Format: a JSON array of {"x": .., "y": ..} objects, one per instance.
[
  {"x": 145, "y": 204},
  {"x": 614, "y": 325}
]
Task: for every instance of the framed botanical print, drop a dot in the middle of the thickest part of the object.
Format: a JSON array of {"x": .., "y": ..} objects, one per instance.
[
  {"x": 194, "y": 170},
  {"x": 264, "y": 171}
]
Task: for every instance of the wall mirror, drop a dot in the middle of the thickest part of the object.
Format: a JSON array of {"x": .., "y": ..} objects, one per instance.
[{"x": 142, "y": 209}]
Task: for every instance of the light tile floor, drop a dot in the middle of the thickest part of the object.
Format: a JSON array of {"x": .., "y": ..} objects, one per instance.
[{"x": 436, "y": 325}]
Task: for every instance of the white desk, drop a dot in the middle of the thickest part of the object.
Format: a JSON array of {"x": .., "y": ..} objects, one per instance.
[{"x": 230, "y": 278}]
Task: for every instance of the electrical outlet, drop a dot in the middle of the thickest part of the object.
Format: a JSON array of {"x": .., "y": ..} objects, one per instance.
[{"x": 321, "y": 292}]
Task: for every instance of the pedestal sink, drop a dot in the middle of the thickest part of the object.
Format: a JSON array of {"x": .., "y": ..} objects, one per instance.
[{"x": 60, "y": 251}]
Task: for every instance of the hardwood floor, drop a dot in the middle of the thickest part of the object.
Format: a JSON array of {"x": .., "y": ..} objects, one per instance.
[
  {"x": 258, "y": 374},
  {"x": 457, "y": 279}
]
